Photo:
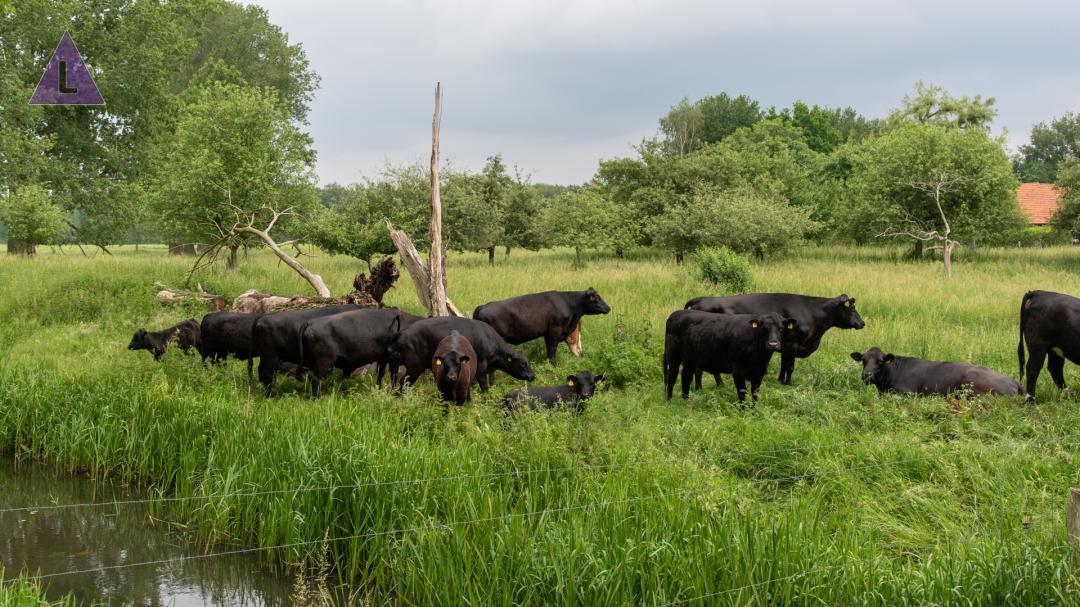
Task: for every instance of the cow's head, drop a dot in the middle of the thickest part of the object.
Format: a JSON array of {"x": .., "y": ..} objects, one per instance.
[
  {"x": 845, "y": 316},
  {"x": 875, "y": 364},
  {"x": 138, "y": 341},
  {"x": 772, "y": 329},
  {"x": 584, "y": 383},
  {"x": 516, "y": 364},
  {"x": 450, "y": 365},
  {"x": 594, "y": 304}
]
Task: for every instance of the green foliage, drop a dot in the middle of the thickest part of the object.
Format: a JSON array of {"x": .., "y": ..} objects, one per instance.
[
  {"x": 894, "y": 170},
  {"x": 818, "y": 131},
  {"x": 235, "y": 155},
  {"x": 725, "y": 268},
  {"x": 586, "y": 219},
  {"x": 934, "y": 105},
  {"x": 1050, "y": 145},
  {"x": 22, "y": 591},
  {"x": 629, "y": 358},
  {"x": 742, "y": 219},
  {"x": 474, "y": 208},
  {"x": 722, "y": 115},
  {"x": 31, "y": 218},
  {"x": 1067, "y": 218},
  {"x": 681, "y": 128}
]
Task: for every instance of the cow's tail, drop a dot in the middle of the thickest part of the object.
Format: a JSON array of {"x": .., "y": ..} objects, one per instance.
[{"x": 1023, "y": 317}]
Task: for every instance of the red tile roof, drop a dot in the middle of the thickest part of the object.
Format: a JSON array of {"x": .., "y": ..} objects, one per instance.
[{"x": 1038, "y": 201}]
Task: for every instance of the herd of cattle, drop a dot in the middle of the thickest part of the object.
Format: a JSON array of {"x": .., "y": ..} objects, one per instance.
[{"x": 736, "y": 335}]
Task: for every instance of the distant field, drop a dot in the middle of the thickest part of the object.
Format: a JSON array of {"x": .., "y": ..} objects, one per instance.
[{"x": 825, "y": 494}]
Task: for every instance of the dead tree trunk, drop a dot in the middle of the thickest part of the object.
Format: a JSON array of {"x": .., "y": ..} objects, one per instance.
[
  {"x": 232, "y": 261},
  {"x": 417, "y": 269},
  {"x": 437, "y": 267},
  {"x": 491, "y": 256}
]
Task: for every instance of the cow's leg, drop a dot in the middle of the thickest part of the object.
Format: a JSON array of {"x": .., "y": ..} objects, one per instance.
[
  {"x": 268, "y": 365},
  {"x": 1034, "y": 366},
  {"x": 755, "y": 384},
  {"x": 380, "y": 371},
  {"x": 671, "y": 372},
  {"x": 787, "y": 365},
  {"x": 552, "y": 343},
  {"x": 313, "y": 379},
  {"x": 697, "y": 379},
  {"x": 687, "y": 376},
  {"x": 1056, "y": 366},
  {"x": 483, "y": 378},
  {"x": 719, "y": 379},
  {"x": 740, "y": 385},
  {"x": 158, "y": 353}
]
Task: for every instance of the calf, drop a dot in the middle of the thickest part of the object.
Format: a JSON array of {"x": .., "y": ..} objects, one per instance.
[
  {"x": 416, "y": 346},
  {"x": 1050, "y": 324},
  {"x": 553, "y": 315},
  {"x": 905, "y": 375},
  {"x": 740, "y": 344},
  {"x": 350, "y": 340},
  {"x": 577, "y": 390},
  {"x": 186, "y": 335},
  {"x": 813, "y": 316},
  {"x": 454, "y": 366},
  {"x": 275, "y": 338}
]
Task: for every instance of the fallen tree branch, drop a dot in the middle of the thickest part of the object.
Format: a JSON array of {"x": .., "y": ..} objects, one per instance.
[{"x": 417, "y": 269}]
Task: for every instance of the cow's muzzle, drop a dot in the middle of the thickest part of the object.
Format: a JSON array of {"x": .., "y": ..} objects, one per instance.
[{"x": 773, "y": 345}]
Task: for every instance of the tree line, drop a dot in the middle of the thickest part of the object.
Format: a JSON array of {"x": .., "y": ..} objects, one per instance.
[{"x": 204, "y": 141}]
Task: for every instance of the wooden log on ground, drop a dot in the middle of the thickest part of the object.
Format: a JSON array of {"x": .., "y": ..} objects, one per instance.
[{"x": 167, "y": 295}]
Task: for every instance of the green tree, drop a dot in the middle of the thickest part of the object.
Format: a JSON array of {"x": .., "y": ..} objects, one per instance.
[
  {"x": 523, "y": 204},
  {"x": 681, "y": 128},
  {"x": 32, "y": 219},
  {"x": 741, "y": 219},
  {"x": 891, "y": 186},
  {"x": 817, "y": 125},
  {"x": 934, "y": 105},
  {"x": 722, "y": 115},
  {"x": 472, "y": 219},
  {"x": 1050, "y": 145},
  {"x": 1067, "y": 217},
  {"x": 236, "y": 160},
  {"x": 583, "y": 219}
]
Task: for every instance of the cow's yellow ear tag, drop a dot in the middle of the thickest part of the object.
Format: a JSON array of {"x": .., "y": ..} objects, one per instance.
[
  {"x": 570, "y": 383},
  {"x": 438, "y": 362}
]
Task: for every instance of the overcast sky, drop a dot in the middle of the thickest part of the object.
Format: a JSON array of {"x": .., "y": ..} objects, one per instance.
[{"x": 556, "y": 85}]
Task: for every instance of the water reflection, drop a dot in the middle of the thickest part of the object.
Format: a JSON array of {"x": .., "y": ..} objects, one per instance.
[{"x": 53, "y": 541}]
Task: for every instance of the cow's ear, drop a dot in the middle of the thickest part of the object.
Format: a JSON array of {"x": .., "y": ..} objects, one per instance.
[
  {"x": 889, "y": 358},
  {"x": 599, "y": 378},
  {"x": 464, "y": 360},
  {"x": 789, "y": 324},
  {"x": 856, "y": 356},
  {"x": 754, "y": 324},
  {"x": 571, "y": 380}
]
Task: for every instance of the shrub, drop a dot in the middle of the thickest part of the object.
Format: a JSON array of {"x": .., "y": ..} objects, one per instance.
[
  {"x": 631, "y": 357},
  {"x": 723, "y": 267}
]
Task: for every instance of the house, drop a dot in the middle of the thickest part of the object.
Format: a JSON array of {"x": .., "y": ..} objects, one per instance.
[{"x": 1038, "y": 202}]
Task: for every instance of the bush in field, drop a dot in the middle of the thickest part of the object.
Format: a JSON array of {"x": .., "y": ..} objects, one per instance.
[
  {"x": 723, "y": 267},
  {"x": 630, "y": 358}
]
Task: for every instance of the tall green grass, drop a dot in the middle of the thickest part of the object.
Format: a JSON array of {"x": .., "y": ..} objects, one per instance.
[
  {"x": 825, "y": 493},
  {"x": 25, "y": 592}
]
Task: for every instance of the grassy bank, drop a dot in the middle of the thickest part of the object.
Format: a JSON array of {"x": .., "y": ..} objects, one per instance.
[
  {"x": 825, "y": 493},
  {"x": 23, "y": 592}
]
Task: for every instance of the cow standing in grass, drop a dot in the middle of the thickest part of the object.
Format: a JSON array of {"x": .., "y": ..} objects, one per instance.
[
  {"x": 454, "y": 368},
  {"x": 553, "y": 315},
  {"x": 813, "y": 316},
  {"x": 185, "y": 334},
  {"x": 740, "y": 344},
  {"x": 1050, "y": 324}
]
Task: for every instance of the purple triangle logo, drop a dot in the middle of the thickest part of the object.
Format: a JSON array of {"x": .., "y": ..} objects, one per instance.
[{"x": 66, "y": 80}]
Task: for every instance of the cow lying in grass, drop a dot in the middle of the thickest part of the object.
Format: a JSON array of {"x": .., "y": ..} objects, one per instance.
[
  {"x": 578, "y": 388},
  {"x": 906, "y": 375}
]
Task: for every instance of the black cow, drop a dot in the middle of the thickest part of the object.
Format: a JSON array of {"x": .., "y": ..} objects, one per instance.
[
  {"x": 1050, "y": 324},
  {"x": 350, "y": 340},
  {"x": 454, "y": 368},
  {"x": 416, "y": 346},
  {"x": 578, "y": 389},
  {"x": 186, "y": 335},
  {"x": 552, "y": 315},
  {"x": 813, "y": 316},
  {"x": 906, "y": 375},
  {"x": 225, "y": 334},
  {"x": 740, "y": 344},
  {"x": 275, "y": 338}
]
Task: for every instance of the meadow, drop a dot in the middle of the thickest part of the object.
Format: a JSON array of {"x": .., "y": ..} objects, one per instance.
[{"x": 824, "y": 493}]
